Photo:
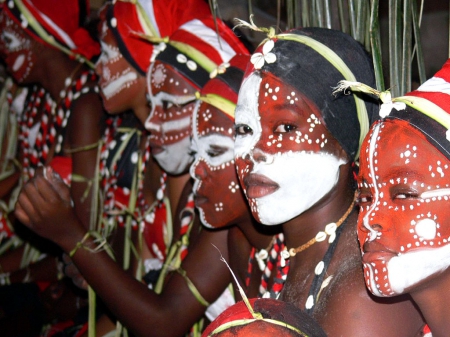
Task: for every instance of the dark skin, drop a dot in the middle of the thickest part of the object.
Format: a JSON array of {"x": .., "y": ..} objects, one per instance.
[
  {"x": 344, "y": 307},
  {"x": 364, "y": 314},
  {"x": 84, "y": 128},
  {"x": 50, "y": 69},
  {"x": 142, "y": 311}
]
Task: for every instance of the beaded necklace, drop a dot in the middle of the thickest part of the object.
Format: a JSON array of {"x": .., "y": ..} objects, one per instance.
[
  {"x": 274, "y": 263},
  {"x": 43, "y": 121}
]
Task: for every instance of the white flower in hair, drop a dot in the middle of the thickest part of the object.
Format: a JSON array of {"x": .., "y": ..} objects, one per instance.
[
  {"x": 258, "y": 59},
  {"x": 388, "y": 104}
]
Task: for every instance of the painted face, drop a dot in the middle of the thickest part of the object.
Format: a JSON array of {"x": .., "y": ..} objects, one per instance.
[
  {"x": 16, "y": 49},
  {"x": 120, "y": 83},
  {"x": 404, "y": 192},
  {"x": 219, "y": 204},
  {"x": 285, "y": 157},
  {"x": 172, "y": 100}
]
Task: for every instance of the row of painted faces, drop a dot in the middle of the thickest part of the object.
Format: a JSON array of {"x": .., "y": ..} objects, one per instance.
[{"x": 286, "y": 160}]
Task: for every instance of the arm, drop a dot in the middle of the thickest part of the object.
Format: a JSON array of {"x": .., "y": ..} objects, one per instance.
[
  {"x": 44, "y": 207},
  {"x": 85, "y": 129}
]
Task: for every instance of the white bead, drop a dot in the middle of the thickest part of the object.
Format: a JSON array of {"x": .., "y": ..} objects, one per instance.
[
  {"x": 181, "y": 58},
  {"x": 330, "y": 228},
  {"x": 309, "y": 302},
  {"x": 321, "y": 236},
  {"x": 319, "y": 268},
  {"x": 191, "y": 65}
]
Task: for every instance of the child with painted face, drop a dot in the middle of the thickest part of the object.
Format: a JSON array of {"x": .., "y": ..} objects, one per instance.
[
  {"x": 295, "y": 149},
  {"x": 185, "y": 294},
  {"x": 217, "y": 194},
  {"x": 403, "y": 196},
  {"x": 180, "y": 68}
]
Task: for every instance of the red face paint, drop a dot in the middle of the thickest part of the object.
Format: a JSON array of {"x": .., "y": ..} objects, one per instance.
[
  {"x": 404, "y": 194},
  {"x": 217, "y": 192}
]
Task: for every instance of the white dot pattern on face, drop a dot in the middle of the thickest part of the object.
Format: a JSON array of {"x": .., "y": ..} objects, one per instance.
[
  {"x": 218, "y": 207},
  {"x": 233, "y": 187},
  {"x": 159, "y": 76},
  {"x": 300, "y": 137},
  {"x": 425, "y": 228},
  {"x": 167, "y": 116},
  {"x": 18, "y": 43}
]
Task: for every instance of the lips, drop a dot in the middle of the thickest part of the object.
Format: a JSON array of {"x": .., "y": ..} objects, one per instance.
[
  {"x": 374, "y": 251},
  {"x": 259, "y": 186},
  {"x": 199, "y": 200},
  {"x": 156, "y": 148}
]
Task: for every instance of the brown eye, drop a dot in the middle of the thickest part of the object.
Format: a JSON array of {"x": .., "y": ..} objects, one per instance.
[
  {"x": 364, "y": 197},
  {"x": 243, "y": 129},
  {"x": 284, "y": 128}
]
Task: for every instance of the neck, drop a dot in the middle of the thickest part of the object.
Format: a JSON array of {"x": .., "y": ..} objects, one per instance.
[
  {"x": 433, "y": 299},
  {"x": 258, "y": 236}
]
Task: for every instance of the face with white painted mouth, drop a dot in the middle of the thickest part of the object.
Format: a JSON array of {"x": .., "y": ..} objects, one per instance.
[
  {"x": 220, "y": 204},
  {"x": 121, "y": 85},
  {"x": 404, "y": 195},
  {"x": 172, "y": 100},
  {"x": 286, "y": 159},
  {"x": 16, "y": 49}
]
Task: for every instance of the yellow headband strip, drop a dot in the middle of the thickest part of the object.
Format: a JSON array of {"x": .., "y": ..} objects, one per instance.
[
  {"x": 219, "y": 102},
  {"x": 42, "y": 33},
  {"x": 340, "y": 65}
]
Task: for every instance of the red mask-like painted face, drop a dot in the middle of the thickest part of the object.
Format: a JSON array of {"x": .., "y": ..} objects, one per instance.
[
  {"x": 172, "y": 99},
  {"x": 121, "y": 85},
  {"x": 16, "y": 49},
  {"x": 404, "y": 185},
  {"x": 217, "y": 192},
  {"x": 285, "y": 157}
]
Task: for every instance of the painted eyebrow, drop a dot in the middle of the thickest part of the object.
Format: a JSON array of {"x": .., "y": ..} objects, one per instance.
[{"x": 176, "y": 99}]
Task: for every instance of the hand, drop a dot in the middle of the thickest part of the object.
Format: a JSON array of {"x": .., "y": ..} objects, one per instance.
[{"x": 44, "y": 205}]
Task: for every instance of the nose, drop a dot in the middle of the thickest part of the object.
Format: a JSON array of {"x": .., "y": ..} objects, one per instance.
[
  {"x": 377, "y": 227},
  {"x": 98, "y": 68},
  {"x": 153, "y": 122},
  {"x": 199, "y": 169},
  {"x": 259, "y": 156}
]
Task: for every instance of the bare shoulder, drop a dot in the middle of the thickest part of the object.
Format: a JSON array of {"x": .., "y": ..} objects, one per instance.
[{"x": 352, "y": 311}]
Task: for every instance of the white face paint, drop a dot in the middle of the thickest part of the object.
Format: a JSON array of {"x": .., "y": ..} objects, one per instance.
[
  {"x": 172, "y": 101},
  {"x": 16, "y": 49},
  {"x": 247, "y": 114},
  {"x": 417, "y": 266},
  {"x": 403, "y": 226},
  {"x": 205, "y": 149},
  {"x": 303, "y": 179},
  {"x": 216, "y": 189},
  {"x": 175, "y": 158},
  {"x": 115, "y": 76},
  {"x": 280, "y": 185}
]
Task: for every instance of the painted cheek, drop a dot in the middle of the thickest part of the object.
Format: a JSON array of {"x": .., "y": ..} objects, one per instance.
[
  {"x": 310, "y": 134},
  {"x": 177, "y": 125}
]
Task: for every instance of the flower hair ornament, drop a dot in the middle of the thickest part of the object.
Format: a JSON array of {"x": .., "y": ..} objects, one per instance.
[
  {"x": 56, "y": 24},
  {"x": 221, "y": 91},
  {"x": 427, "y": 108},
  {"x": 308, "y": 59}
]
